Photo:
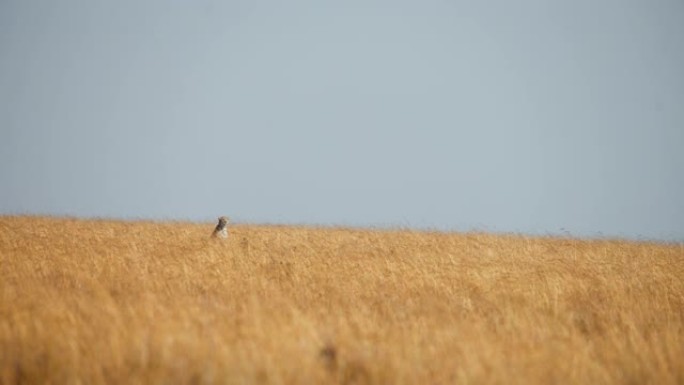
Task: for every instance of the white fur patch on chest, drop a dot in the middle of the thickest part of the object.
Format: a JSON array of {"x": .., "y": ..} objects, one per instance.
[{"x": 221, "y": 233}]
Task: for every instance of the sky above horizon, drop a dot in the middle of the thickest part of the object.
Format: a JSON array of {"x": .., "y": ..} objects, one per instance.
[{"x": 531, "y": 116}]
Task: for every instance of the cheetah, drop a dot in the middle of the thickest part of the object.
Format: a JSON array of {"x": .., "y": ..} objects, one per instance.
[{"x": 221, "y": 230}]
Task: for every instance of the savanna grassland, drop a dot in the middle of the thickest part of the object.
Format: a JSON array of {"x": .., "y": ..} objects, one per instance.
[{"x": 113, "y": 302}]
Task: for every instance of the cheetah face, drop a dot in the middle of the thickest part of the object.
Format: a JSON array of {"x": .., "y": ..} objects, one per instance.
[{"x": 223, "y": 222}]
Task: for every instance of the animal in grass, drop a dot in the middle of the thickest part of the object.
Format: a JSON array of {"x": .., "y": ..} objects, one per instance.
[{"x": 221, "y": 230}]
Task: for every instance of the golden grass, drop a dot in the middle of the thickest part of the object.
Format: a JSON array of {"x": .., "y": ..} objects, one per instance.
[{"x": 107, "y": 302}]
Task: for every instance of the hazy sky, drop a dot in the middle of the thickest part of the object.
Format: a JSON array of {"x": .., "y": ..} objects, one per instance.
[{"x": 530, "y": 116}]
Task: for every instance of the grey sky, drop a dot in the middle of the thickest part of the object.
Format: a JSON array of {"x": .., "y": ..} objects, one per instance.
[{"x": 526, "y": 116}]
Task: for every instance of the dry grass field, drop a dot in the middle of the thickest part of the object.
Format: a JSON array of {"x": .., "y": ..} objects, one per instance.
[{"x": 112, "y": 302}]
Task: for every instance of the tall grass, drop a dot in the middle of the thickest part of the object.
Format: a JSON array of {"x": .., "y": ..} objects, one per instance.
[{"x": 107, "y": 302}]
